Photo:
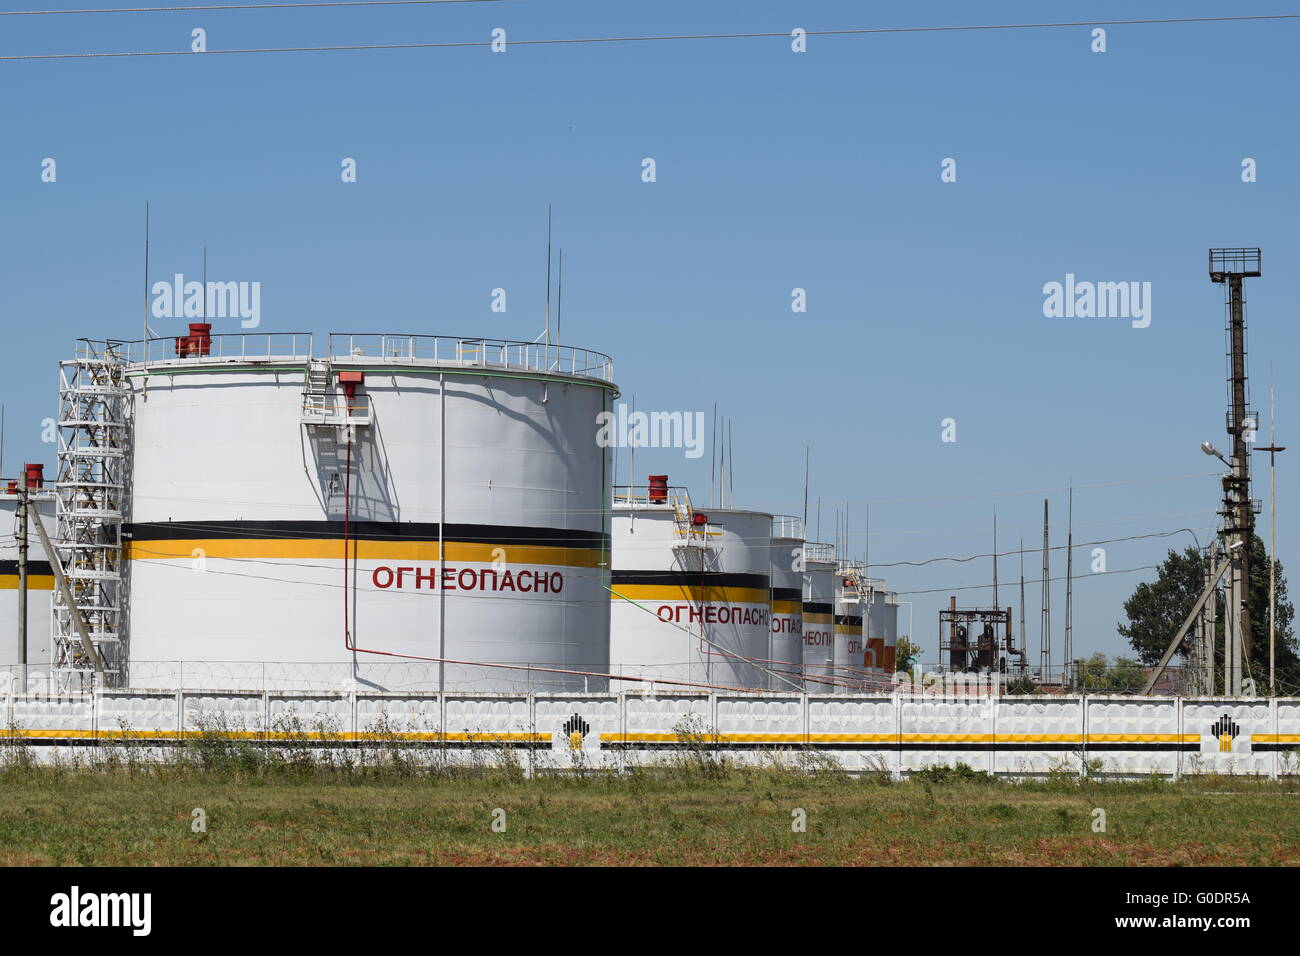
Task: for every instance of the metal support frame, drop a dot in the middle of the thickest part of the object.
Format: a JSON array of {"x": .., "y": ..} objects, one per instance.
[
  {"x": 1229, "y": 267},
  {"x": 92, "y": 493},
  {"x": 1206, "y": 592}
]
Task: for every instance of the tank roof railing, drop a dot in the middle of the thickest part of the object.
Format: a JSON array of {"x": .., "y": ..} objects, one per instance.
[
  {"x": 437, "y": 350},
  {"x": 473, "y": 352},
  {"x": 676, "y": 497},
  {"x": 788, "y": 526},
  {"x": 218, "y": 348},
  {"x": 819, "y": 551}
]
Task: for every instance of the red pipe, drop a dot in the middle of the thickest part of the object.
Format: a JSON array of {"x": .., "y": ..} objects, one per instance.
[{"x": 347, "y": 527}]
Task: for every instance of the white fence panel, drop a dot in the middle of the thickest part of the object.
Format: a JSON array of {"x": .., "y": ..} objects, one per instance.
[
  {"x": 1134, "y": 736},
  {"x": 860, "y": 732},
  {"x": 223, "y": 711},
  {"x": 1229, "y": 736},
  {"x": 138, "y": 712},
  {"x": 946, "y": 732},
  {"x": 1038, "y": 735},
  {"x": 381, "y": 714},
  {"x": 1286, "y": 741}
]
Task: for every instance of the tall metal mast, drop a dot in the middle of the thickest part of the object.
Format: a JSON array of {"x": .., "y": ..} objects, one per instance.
[
  {"x": 1045, "y": 635},
  {"x": 1229, "y": 267}
]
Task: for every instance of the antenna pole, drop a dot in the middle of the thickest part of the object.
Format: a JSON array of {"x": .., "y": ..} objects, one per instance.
[
  {"x": 731, "y": 459},
  {"x": 995, "y": 558},
  {"x": 1024, "y": 636},
  {"x": 807, "y": 468},
  {"x": 866, "y": 548},
  {"x": 559, "y": 300},
  {"x": 1069, "y": 583},
  {"x": 548, "y": 278},
  {"x": 713, "y": 454},
  {"x": 144, "y": 342},
  {"x": 1045, "y": 635}
]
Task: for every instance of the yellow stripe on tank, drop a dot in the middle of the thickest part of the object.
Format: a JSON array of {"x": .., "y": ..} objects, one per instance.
[
  {"x": 361, "y": 550},
  {"x": 669, "y": 592},
  {"x": 35, "y": 582}
]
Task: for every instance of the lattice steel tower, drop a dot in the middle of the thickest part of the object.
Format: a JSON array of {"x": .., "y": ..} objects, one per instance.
[
  {"x": 1230, "y": 267},
  {"x": 92, "y": 492}
]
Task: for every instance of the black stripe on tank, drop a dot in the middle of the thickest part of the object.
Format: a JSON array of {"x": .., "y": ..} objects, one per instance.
[
  {"x": 787, "y": 594},
  {"x": 713, "y": 579},
  {"x": 33, "y": 567},
  {"x": 850, "y": 619},
  {"x": 812, "y": 607},
  {"x": 366, "y": 531}
]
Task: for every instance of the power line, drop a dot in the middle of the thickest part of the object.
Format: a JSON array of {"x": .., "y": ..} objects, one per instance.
[
  {"x": 1055, "y": 547},
  {"x": 1077, "y": 577},
  {"x": 240, "y": 6},
  {"x": 644, "y": 39}
]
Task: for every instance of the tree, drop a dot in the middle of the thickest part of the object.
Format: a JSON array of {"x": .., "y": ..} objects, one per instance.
[
  {"x": 1157, "y": 609},
  {"x": 906, "y": 653},
  {"x": 1097, "y": 675}
]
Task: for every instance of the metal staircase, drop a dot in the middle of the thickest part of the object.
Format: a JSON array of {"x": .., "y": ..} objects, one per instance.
[{"x": 93, "y": 471}]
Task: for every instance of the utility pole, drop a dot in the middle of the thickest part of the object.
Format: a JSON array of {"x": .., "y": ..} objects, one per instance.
[
  {"x": 1045, "y": 635},
  {"x": 1272, "y": 448},
  {"x": 1069, "y": 585},
  {"x": 1229, "y": 267},
  {"x": 1210, "y": 620},
  {"x": 1024, "y": 634}
]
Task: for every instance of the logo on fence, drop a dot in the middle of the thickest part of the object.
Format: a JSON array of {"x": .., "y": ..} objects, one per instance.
[
  {"x": 1225, "y": 736},
  {"x": 575, "y": 728}
]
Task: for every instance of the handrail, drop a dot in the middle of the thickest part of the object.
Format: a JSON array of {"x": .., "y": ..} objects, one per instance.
[
  {"x": 472, "y": 351},
  {"x": 441, "y": 350}
]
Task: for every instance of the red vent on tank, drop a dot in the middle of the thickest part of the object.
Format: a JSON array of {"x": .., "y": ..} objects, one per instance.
[
  {"x": 35, "y": 475},
  {"x": 198, "y": 342},
  {"x": 699, "y": 519},
  {"x": 658, "y": 489},
  {"x": 350, "y": 381}
]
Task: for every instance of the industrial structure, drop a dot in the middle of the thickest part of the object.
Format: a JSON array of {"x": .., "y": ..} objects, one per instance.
[
  {"x": 977, "y": 639},
  {"x": 819, "y": 567},
  {"x": 786, "y": 646},
  {"x": 1230, "y": 554},
  {"x": 26, "y": 575},
  {"x": 446, "y": 502},
  {"x": 690, "y": 590}
]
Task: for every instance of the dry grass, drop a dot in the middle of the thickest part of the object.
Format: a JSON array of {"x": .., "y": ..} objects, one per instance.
[{"x": 131, "y": 814}]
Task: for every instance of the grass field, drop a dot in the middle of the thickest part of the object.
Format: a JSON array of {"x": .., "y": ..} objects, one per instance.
[{"x": 696, "y": 813}]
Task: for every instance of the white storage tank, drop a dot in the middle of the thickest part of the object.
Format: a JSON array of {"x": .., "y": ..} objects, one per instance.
[
  {"x": 881, "y": 625},
  {"x": 392, "y": 499},
  {"x": 849, "y": 612},
  {"x": 819, "y": 617},
  {"x": 40, "y": 577},
  {"x": 786, "y": 646},
  {"x": 689, "y": 590}
]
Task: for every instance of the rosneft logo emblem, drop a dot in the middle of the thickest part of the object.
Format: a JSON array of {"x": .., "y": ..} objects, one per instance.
[
  {"x": 575, "y": 728},
  {"x": 1225, "y": 737}
]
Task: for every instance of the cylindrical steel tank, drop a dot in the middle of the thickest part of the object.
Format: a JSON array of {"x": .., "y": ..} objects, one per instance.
[
  {"x": 407, "y": 495},
  {"x": 819, "y": 617},
  {"x": 40, "y": 584},
  {"x": 690, "y": 591},
  {"x": 881, "y": 626},
  {"x": 849, "y": 612},
  {"x": 786, "y": 645}
]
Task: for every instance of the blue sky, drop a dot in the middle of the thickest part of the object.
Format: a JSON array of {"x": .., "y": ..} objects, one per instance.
[{"x": 775, "y": 170}]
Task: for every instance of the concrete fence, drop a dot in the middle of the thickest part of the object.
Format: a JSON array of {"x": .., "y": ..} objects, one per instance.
[{"x": 1012, "y": 736}]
